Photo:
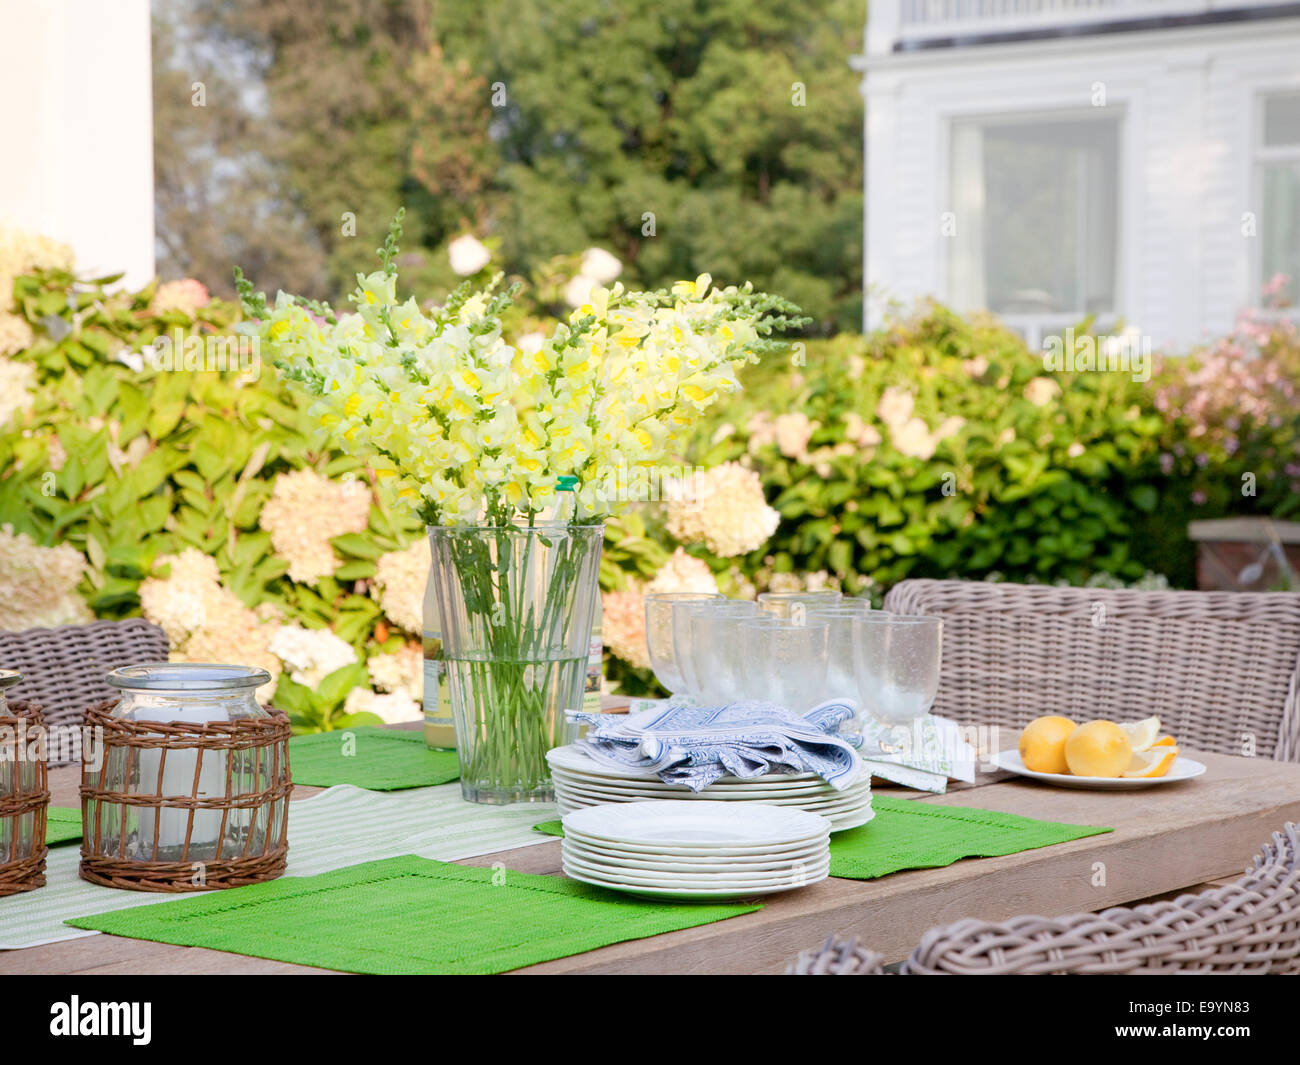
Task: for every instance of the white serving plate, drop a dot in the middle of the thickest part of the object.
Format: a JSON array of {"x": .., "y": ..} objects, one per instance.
[
  {"x": 671, "y": 864},
  {"x": 661, "y": 790},
  {"x": 839, "y": 822},
  {"x": 1182, "y": 769},
  {"x": 821, "y": 801},
  {"x": 765, "y": 786},
  {"x": 791, "y": 875},
  {"x": 575, "y": 760},
  {"x": 691, "y": 853},
  {"x": 697, "y": 824},
  {"x": 689, "y": 894},
  {"x": 713, "y": 791}
]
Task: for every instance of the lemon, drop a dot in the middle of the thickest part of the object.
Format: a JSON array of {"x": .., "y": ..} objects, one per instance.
[
  {"x": 1155, "y": 762},
  {"x": 1098, "y": 749},
  {"x": 1165, "y": 741},
  {"x": 1142, "y": 734},
  {"x": 1042, "y": 744}
]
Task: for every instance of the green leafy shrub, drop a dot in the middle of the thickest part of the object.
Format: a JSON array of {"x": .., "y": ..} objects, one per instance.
[
  {"x": 940, "y": 447},
  {"x": 131, "y": 464}
]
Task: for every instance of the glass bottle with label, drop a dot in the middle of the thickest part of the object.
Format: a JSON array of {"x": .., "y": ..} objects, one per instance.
[
  {"x": 566, "y": 509},
  {"x": 439, "y": 726}
]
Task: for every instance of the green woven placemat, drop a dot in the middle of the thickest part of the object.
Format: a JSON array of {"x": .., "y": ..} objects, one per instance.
[
  {"x": 377, "y": 759},
  {"x": 408, "y": 915},
  {"x": 906, "y": 834},
  {"x": 62, "y": 825}
]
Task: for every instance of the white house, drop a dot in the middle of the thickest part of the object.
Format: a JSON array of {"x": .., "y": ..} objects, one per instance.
[
  {"x": 1045, "y": 159},
  {"x": 76, "y": 77}
]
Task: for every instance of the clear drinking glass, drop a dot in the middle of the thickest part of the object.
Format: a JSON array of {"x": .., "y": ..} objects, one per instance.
[
  {"x": 851, "y": 604},
  {"x": 189, "y": 693},
  {"x": 841, "y": 675},
  {"x": 795, "y": 604},
  {"x": 786, "y": 661},
  {"x": 712, "y": 641},
  {"x": 659, "y": 635},
  {"x": 896, "y": 660}
]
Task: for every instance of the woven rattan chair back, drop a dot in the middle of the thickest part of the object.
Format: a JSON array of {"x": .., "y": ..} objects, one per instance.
[
  {"x": 1220, "y": 669},
  {"x": 1251, "y": 926},
  {"x": 64, "y": 668}
]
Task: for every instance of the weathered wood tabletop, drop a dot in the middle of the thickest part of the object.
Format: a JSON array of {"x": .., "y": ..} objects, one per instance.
[{"x": 1166, "y": 838}]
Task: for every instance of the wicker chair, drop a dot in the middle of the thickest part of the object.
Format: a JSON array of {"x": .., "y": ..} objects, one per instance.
[
  {"x": 63, "y": 669},
  {"x": 1252, "y": 926},
  {"x": 1220, "y": 669}
]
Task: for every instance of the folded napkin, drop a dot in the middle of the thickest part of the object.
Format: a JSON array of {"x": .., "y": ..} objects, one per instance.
[
  {"x": 921, "y": 755},
  {"x": 695, "y": 745}
]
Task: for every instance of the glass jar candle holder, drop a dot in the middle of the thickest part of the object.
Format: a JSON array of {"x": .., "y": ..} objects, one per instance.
[
  {"x": 24, "y": 793},
  {"x": 192, "y": 790}
]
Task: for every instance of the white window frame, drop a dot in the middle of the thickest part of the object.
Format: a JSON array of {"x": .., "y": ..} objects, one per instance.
[
  {"x": 1261, "y": 155},
  {"x": 1033, "y": 327}
]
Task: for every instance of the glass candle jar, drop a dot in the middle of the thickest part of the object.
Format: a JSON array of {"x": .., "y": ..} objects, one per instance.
[
  {"x": 8, "y": 678},
  {"x": 186, "y": 797},
  {"x": 20, "y": 778}
]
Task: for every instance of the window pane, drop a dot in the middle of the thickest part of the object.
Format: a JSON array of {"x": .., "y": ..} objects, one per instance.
[
  {"x": 1280, "y": 225},
  {"x": 1282, "y": 120},
  {"x": 1039, "y": 201}
]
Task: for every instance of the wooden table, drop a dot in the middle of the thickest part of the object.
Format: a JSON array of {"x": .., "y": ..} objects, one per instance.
[{"x": 1166, "y": 838}]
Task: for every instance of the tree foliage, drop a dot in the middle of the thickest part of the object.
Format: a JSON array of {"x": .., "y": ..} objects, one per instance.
[{"x": 684, "y": 136}]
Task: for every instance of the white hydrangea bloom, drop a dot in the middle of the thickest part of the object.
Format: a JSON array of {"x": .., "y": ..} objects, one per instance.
[
  {"x": 38, "y": 585},
  {"x": 468, "y": 255},
  {"x": 392, "y": 707},
  {"x": 305, "y": 512},
  {"x": 400, "y": 578},
  {"x": 724, "y": 509},
  {"x": 311, "y": 655},
  {"x": 16, "y": 382},
  {"x": 600, "y": 266},
  {"x": 400, "y": 671}
]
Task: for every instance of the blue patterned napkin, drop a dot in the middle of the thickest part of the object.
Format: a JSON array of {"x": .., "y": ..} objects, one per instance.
[{"x": 695, "y": 745}]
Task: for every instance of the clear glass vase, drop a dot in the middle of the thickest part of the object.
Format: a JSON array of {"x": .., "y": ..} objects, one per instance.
[{"x": 516, "y": 605}]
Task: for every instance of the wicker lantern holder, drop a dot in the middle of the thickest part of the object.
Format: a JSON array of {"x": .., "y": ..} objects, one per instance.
[
  {"x": 22, "y": 802},
  {"x": 113, "y": 814}
]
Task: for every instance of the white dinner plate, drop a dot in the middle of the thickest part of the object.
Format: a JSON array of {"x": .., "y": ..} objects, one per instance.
[
  {"x": 689, "y": 894},
  {"x": 791, "y": 875},
  {"x": 851, "y": 799},
  {"x": 697, "y": 824},
  {"x": 774, "y": 785},
  {"x": 575, "y": 760},
  {"x": 691, "y": 853},
  {"x": 765, "y": 786},
  {"x": 839, "y": 822},
  {"x": 746, "y": 866},
  {"x": 1182, "y": 769}
]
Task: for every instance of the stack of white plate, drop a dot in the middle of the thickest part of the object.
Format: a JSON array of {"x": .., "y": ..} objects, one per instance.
[
  {"x": 697, "y": 851},
  {"x": 581, "y": 781}
]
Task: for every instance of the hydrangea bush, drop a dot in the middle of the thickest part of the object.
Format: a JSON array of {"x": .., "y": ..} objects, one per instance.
[{"x": 209, "y": 502}]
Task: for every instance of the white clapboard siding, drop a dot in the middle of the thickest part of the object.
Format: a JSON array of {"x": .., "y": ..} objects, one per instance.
[{"x": 1188, "y": 100}]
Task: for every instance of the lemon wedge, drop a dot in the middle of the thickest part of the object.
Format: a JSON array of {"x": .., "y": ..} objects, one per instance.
[
  {"x": 1165, "y": 741},
  {"x": 1154, "y": 762},
  {"x": 1142, "y": 734}
]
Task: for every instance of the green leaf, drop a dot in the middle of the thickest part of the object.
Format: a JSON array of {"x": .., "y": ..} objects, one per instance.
[
  {"x": 334, "y": 688},
  {"x": 358, "y": 545},
  {"x": 1144, "y": 497}
]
